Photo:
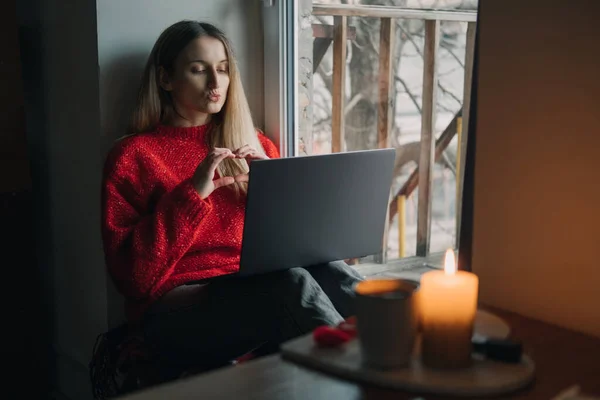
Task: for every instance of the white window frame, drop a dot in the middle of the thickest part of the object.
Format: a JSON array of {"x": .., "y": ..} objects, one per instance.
[{"x": 280, "y": 77}]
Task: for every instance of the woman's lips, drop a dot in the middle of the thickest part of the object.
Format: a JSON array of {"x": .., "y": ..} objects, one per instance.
[{"x": 214, "y": 97}]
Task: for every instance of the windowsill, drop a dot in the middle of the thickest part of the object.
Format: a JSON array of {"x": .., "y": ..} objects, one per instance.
[{"x": 407, "y": 268}]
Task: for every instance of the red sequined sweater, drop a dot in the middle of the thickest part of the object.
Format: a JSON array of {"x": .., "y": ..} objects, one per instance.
[{"x": 157, "y": 231}]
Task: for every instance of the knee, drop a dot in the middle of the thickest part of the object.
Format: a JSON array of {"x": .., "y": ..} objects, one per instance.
[
  {"x": 339, "y": 269},
  {"x": 295, "y": 280},
  {"x": 341, "y": 264},
  {"x": 295, "y": 275}
]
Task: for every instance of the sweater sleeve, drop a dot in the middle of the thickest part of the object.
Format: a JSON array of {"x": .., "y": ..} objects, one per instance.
[
  {"x": 143, "y": 246},
  {"x": 268, "y": 146}
]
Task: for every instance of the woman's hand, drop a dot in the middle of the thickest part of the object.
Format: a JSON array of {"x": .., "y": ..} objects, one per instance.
[
  {"x": 249, "y": 153},
  {"x": 203, "y": 177}
]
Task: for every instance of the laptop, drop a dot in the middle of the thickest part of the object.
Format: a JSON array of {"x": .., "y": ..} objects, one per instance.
[{"x": 307, "y": 210}]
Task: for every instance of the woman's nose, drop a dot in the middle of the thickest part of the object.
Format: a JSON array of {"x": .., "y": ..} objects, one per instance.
[{"x": 213, "y": 81}]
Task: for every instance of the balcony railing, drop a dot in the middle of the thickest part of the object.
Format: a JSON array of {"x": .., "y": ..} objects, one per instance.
[{"x": 430, "y": 148}]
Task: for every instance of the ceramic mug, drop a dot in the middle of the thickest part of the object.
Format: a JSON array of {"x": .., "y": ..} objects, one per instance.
[{"x": 386, "y": 321}]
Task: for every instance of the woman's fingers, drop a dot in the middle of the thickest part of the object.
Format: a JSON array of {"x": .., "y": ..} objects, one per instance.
[
  {"x": 242, "y": 149},
  {"x": 216, "y": 160},
  {"x": 219, "y": 151},
  {"x": 256, "y": 156},
  {"x": 250, "y": 153},
  {"x": 229, "y": 180},
  {"x": 224, "y": 181},
  {"x": 205, "y": 172},
  {"x": 242, "y": 178},
  {"x": 246, "y": 151},
  {"x": 217, "y": 155}
]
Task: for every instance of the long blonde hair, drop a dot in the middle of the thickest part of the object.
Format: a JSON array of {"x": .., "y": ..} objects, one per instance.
[{"x": 231, "y": 128}]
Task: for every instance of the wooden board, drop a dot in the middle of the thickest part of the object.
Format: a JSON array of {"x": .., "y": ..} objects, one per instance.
[{"x": 483, "y": 378}]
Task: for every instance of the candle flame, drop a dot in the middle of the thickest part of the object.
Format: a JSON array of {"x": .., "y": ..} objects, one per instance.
[{"x": 450, "y": 263}]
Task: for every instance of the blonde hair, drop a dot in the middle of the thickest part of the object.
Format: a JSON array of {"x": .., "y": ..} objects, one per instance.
[{"x": 231, "y": 128}]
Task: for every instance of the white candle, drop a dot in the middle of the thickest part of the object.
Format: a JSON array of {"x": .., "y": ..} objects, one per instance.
[{"x": 448, "y": 304}]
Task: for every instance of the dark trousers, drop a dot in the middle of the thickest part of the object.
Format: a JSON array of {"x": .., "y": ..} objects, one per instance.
[{"x": 241, "y": 314}]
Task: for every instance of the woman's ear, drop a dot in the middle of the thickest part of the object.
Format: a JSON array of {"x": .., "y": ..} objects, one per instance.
[{"x": 164, "y": 79}]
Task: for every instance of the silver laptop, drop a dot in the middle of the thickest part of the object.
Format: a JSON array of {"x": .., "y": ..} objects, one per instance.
[{"x": 308, "y": 210}]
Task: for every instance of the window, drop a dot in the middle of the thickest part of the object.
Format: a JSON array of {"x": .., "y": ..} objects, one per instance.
[{"x": 367, "y": 74}]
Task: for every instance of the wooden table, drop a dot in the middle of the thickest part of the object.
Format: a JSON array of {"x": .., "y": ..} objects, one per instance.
[{"x": 563, "y": 358}]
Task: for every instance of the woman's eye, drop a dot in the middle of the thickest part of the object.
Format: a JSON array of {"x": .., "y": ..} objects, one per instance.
[
  {"x": 223, "y": 71},
  {"x": 198, "y": 71}
]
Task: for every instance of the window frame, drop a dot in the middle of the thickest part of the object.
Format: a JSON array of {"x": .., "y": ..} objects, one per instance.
[{"x": 280, "y": 94}]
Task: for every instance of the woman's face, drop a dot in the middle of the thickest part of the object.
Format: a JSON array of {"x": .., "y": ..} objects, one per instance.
[{"x": 200, "y": 79}]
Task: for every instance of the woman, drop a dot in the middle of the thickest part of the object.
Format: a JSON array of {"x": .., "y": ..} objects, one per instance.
[{"x": 173, "y": 212}]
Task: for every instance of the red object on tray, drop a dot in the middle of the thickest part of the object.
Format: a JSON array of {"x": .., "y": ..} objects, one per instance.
[{"x": 332, "y": 336}]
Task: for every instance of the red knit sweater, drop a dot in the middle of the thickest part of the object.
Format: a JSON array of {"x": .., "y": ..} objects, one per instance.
[{"x": 157, "y": 231}]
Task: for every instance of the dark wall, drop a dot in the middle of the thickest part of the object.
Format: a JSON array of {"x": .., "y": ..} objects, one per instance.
[{"x": 24, "y": 334}]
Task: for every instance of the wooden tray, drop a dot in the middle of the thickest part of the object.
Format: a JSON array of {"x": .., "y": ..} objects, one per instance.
[{"x": 483, "y": 378}]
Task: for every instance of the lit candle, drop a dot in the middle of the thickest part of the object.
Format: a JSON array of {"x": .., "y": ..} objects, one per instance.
[{"x": 448, "y": 303}]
